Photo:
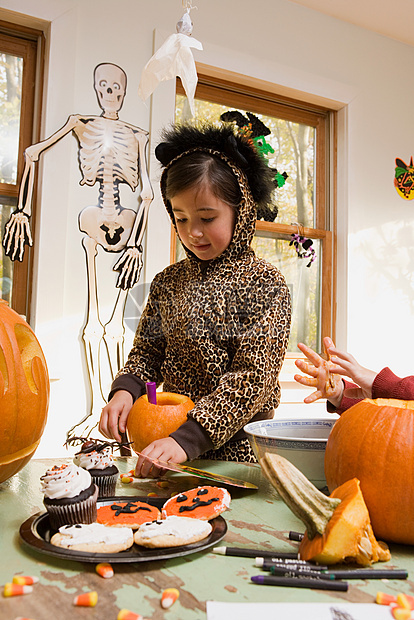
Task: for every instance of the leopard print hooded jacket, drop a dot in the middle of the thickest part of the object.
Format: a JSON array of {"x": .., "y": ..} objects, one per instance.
[{"x": 216, "y": 332}]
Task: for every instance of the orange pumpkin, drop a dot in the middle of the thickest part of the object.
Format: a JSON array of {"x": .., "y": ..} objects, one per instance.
[
  {"x": 148, "y": 422},
  {"x": 338, "y": 527},
  {"x": 24, "y": 392},
  {"x": 374, "y": 442}
]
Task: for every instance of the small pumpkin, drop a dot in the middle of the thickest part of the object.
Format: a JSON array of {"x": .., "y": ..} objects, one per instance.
[
  {"x": 374, "y": 442},
  {"x": 24, "y": 392},
  {"x": 338, "y": 527},
  {"x": 148, "y": 422}
]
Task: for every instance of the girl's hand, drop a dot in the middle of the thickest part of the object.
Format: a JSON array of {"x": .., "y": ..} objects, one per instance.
[
  {"x": 321, "y": 375},
  {"x": 166, "y": 449},
  {"x": 114, "y": 415},
  {"x": 345, "y": 364}
]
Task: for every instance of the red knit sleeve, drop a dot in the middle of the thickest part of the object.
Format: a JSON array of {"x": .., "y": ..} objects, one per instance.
[{"x": 388, "y": 385}]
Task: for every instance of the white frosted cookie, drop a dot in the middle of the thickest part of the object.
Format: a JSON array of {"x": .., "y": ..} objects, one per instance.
[
  {"x": 172, "y": 532},
  {"x": 94, "y": 538}
]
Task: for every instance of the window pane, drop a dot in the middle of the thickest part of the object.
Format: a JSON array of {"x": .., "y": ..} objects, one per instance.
[
  {"x": 7, "y": 205},
  {"x": 303, "y": 283},
  {"x": 293, "y": 147},
  {"x": 11, "y": 70}
]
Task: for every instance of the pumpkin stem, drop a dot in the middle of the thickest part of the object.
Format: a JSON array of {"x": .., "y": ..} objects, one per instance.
[{"x": 311, "y": 506}]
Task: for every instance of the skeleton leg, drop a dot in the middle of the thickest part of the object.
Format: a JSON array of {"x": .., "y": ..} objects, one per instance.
[
  {"x": 92, "y": 335},
  {"x": 114, "y": 334}
]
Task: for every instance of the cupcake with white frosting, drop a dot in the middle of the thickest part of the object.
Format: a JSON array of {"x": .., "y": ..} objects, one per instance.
[
  {"x": 69, "y": 495},
  {"x": 97, "y": 459}
]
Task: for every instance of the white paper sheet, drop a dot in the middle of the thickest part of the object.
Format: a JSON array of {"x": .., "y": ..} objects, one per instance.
[{"x": 297, "y": 611}]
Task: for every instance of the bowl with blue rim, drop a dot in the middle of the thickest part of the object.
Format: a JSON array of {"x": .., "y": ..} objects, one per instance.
[{"x": 302, "y": 441}]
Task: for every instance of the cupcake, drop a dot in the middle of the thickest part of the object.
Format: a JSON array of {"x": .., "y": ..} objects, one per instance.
[
  {"x": 69, "y": 495},
  {"x": 97, "y": 459}
]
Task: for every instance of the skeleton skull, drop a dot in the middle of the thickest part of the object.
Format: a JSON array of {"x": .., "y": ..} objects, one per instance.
[{"x": 110, "y": 86}]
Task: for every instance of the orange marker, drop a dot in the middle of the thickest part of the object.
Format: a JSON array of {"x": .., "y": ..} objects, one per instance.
[
  {"x": 88, "y": 599},
  {"x": 25, "y": 580},
  {"x": 169, "y": 596},
  {"x": 15, "y": 589},
  {"x": 125, "y": 614},
  {"x": 104, "y": 570}
]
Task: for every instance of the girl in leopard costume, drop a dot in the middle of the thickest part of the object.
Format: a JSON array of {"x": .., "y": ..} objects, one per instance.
[{"x": 216, "y": 324}]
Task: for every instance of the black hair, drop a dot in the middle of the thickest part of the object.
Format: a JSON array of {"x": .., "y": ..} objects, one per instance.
[
  {"x": 221, "y": 143},
  {"x": 200, "y": 168}
]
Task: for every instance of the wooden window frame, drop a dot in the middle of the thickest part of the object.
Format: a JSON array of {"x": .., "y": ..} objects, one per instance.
[
  {"x": 27, "y": 43},
  {"x": 262, "y": 97}
]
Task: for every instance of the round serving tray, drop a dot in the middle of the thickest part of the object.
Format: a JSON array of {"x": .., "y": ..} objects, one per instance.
[{"x": 36, "y": 533}]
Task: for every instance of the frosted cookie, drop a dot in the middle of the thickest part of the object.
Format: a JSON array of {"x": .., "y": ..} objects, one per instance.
[
  {"x": 199, "y": 503},
  {"x": 172, "y": 532},
  {"x": 127, "y": 514},
  {"x": 93, "y": 538}
]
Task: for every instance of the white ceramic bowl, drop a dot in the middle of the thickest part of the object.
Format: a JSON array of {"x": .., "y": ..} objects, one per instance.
[{"x": 302, "y": 441}]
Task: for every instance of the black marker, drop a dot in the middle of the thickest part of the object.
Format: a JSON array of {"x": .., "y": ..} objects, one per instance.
[
  {"x": 300, "y": 582},
  {"x": 254, "y": 553},
  {"x": 287, "y": 571},
  {"x": 267, "y": 563},
  {"x": 369, "y": 573}
]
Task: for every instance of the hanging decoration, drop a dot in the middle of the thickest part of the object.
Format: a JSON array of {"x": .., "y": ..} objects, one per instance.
[
  {"x": 174, "y": 59},
  {"x": 404, "y": 178},
  {"x": 303, "y": 246},
  {"x": 253, "y": 128}
]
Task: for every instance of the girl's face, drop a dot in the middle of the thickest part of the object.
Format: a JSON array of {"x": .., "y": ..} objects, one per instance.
[{"x": 205, "y": 224}]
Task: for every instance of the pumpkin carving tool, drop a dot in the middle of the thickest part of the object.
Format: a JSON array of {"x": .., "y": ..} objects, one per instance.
[{"x": 200, "y": 473}]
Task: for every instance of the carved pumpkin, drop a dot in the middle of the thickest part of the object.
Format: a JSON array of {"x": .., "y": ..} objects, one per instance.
[
  {"x": 147, "y": 422},
  {"x": 374, "y": 442},
  {"x": 24, "y": 392},
  {"x": 338, "y": 527}
]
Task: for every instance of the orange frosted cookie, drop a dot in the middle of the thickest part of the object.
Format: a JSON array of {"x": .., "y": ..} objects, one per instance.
[
  {"x": 127, "y": 514},
  {"x": 200, "y": 503}
]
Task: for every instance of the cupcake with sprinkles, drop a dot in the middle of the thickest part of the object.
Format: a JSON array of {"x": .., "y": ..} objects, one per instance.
[
  {"x": 96, "y": 457},
  {"x": 69, "y": 495}
]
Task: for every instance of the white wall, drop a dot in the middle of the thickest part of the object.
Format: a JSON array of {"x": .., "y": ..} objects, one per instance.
[{"x": 272, "y": 40}]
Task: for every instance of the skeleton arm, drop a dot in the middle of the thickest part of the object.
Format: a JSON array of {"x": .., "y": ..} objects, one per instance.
[
  {"x": 130, "y": 263},
  {"x": 17, "y": 232}
]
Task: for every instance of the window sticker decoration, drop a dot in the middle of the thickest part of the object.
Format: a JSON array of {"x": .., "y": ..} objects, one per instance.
[{"x": 404, "y": 178}]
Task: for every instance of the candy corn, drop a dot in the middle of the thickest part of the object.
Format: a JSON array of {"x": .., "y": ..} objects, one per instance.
[
  {"x": 88, "y": 599},
  {"x": 163, "y": 484},
  {"x": 152, "y": 495},
  {"x": 25, "y": 580},
  {"x": 125, "y": 614},
  {"x": 405, "y": 601},
  {"x": 400, "y": 613},
  {"x": 126, "y": 480},
  {"x": 385, "y": 599},
  {"x": 169, "y": 596},
  {"x": 104, "y": 570},
  {"x": 15, "y": 589}
]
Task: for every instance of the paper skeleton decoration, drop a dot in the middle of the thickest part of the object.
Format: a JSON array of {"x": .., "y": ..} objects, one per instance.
[
  {"x": 110, "y": 152},
  {"x": 174, "y": 58}
]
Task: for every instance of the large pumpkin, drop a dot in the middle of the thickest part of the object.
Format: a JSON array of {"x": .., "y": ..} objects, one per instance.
[
  {"x": 374, "y": 442},
  {"x": 148, "y": 422},
  {"x": 24, "y": 392}
]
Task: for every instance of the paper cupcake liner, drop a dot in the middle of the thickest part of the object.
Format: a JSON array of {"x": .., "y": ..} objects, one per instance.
[
  {"x": 105, "y": 484},
  {"x": 71, "y": 514}
]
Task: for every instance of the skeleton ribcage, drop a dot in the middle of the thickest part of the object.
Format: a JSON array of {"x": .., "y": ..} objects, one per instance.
[{"x": 108, "y": 152}]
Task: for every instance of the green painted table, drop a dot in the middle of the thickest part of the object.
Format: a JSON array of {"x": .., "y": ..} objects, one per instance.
[{"x": 256, "y": 519}]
